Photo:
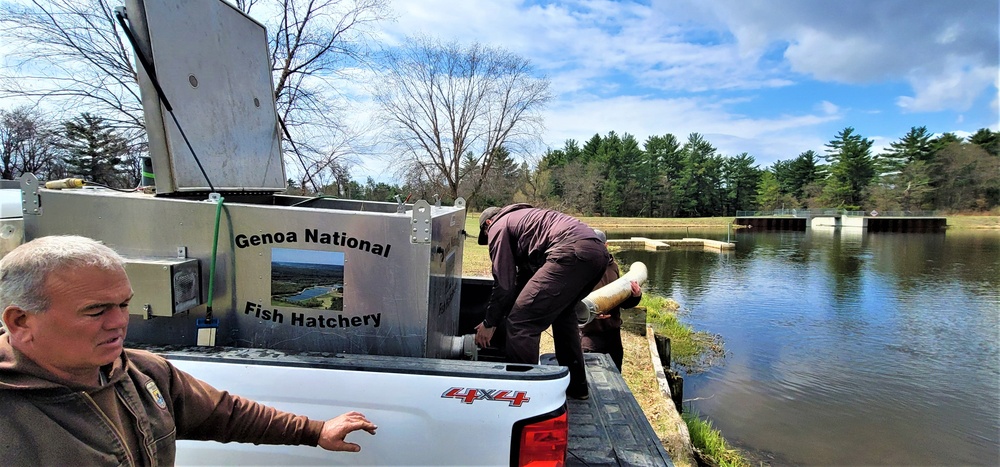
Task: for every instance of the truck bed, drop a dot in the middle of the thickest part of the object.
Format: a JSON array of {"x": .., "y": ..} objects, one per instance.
[{"x": 609, "y": 429}]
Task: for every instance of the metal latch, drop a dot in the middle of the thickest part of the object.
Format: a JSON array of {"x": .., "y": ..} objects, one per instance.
[
  {"x": 30, "y": 204},
  {"x": 420, "y": 222}
]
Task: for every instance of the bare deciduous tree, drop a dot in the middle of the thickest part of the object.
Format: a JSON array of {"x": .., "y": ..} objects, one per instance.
[
  {"x": 27, "y": 145},
  {"x": 581, "y": 182},
  {"x": 442, "y": 101},
  {"x": 70, "y": 54},
  {"x": 312, "y": 42}
]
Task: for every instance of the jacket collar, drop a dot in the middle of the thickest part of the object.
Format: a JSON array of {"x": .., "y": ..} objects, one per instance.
[{"x": 18, "y": 372}]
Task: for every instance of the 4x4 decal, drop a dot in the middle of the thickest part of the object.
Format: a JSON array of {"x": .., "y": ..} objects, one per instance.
[{"x": 470, "y": 395}]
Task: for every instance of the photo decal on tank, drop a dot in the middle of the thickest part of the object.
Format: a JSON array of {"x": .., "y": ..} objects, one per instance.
[{"x": 307, "y": 279}]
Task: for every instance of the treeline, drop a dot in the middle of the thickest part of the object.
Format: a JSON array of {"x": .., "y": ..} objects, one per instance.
[
  {"x": 614, "y": 175},
  {"x": 86, "y": 147},
  {"x": 611, "y": 175}
]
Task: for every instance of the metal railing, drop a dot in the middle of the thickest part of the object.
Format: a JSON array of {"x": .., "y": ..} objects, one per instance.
[
  {"x": 877, "y": 213},
  {"x": 833, "y": 212},
  {"x": 775, "y": 213}
]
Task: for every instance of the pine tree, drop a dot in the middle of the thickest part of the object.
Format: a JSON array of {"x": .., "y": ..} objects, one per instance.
[
  {"x": 768, "y": 191},
  {"x": 804, "y": 171},
  {"x": 662, "y": 159},
  {"x": 914, "y": 146},
  {"x": 701, "y": 179},
  {"x": 988, "y": 140},
  {"x": 741, "y": 178},
  {"x": 94, "y": 151},
  {"x": 852, "y": 169}
]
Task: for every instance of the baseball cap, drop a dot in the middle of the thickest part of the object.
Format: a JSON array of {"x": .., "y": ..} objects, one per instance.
[{"x": 487, "y": 214}]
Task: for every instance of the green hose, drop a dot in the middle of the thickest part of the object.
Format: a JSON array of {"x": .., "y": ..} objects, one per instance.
[{"x": 215, "y": 249}]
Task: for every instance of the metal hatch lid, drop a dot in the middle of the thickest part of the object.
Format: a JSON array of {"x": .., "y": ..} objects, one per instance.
[{"x": 212, "y": 62}]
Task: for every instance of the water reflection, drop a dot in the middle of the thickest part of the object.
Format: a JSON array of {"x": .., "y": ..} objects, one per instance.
[{"x": 845, "y": 347}]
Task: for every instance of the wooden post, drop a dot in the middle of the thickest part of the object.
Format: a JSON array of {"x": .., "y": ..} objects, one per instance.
[
  {"x": 676, "y": 383},
  {"x": 663, "y": 348},
  {"x": 674, "y": 379}
]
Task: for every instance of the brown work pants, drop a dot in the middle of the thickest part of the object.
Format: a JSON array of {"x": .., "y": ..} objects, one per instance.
[{"x": 548, "y": 299}]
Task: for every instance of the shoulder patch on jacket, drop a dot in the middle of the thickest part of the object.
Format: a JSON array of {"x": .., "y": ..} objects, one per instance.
[{"x": 157, "y": 395}]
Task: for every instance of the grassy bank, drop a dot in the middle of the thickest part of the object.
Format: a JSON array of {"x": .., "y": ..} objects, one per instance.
[
  {"x": 477, "y": 261},
  {"x": 691, "y": 351},
  {"x": 977, "y": 221},
  {"x": 711, "y": 443}
]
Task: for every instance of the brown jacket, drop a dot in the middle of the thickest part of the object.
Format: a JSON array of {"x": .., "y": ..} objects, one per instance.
[
  {"x": 521, "y": 240},
  {"x": 47, "y": 421}
]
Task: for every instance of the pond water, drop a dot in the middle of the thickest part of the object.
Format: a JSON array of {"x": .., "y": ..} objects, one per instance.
[
  {"x": 844, "y": 348},
  {"x": 311, "y": 292}
]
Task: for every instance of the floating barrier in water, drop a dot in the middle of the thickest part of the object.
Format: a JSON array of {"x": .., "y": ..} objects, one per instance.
[{"x": 642, "y": 243}]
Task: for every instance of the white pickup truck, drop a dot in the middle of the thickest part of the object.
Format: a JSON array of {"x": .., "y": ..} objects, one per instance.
[
  {"x": 310, "y": 304},
  {"x": 429, "y": 411},
  {"x": 410, "y": 370}
]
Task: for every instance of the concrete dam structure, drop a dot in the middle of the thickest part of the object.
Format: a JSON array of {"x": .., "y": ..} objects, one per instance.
[{"x": 872, "y": 221}]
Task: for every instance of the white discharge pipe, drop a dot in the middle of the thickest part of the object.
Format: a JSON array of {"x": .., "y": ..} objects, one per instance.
[
  {"x": 463, "y": 346},
  {"x": 609, "y": 296}
]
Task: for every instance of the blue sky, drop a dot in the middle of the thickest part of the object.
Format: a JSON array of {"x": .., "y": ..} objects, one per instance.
[
  {"x": 291, "y": 255},
  {"x": 772, "y": 78}
]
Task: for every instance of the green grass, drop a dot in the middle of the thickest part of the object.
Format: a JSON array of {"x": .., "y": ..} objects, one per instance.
[
  {"x": 693, "y": 351},
  {"x": 710, "y": 442}
]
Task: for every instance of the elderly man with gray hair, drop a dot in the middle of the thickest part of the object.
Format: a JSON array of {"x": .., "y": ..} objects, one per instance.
[{"x": 71, "y": 394}]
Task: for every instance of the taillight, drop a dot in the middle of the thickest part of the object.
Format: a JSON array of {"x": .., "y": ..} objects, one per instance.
[{"x": 541, "y": 441}]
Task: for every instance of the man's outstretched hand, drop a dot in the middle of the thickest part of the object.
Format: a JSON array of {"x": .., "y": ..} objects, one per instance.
[{"x": 336, "y": 429}]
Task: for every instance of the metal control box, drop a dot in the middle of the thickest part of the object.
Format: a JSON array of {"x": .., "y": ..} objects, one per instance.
[{"x": 163, "y": 286}]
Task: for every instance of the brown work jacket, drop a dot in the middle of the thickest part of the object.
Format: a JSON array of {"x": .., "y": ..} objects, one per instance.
[
  {"x": 521, "y": 240},
  {"x": 47, "y": 421}
]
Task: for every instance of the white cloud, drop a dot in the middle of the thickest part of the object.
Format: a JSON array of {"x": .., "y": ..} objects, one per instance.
[
  {"x": 682, "y": 66},
  {"x": 957, "y": 89},
  {"x": 766, "y": 139},
  {"x": 944, "y": 50},
  {"x": 591, "y": 41},
  {"x": 694, "y": 47}
]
